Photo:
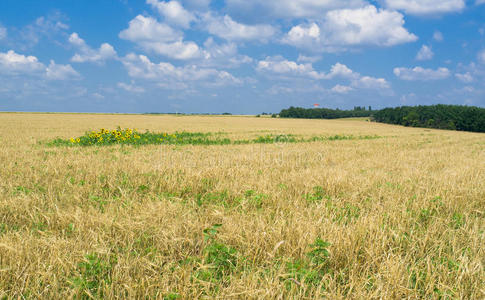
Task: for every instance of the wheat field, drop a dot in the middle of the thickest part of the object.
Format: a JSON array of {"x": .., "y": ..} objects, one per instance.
[{"x": 396, "y": 217}]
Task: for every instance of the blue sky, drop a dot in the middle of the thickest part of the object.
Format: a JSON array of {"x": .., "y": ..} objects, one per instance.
[{"x": 239, "y": 56}]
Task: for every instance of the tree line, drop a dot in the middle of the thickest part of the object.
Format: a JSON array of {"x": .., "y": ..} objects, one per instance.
[
  {"x": 451, "y": 117},
  {"x": 325, "y": 113}
]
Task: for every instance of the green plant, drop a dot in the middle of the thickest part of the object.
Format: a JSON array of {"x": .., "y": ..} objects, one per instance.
[
  {"x": 93, "y": 272},
  {"x": 172, "y": 296},
  {"x": 220, "y": 260},
  {"x": 255, "y": 200},
  {"x": 312, "y": 269},
  {"x": 317, "y": 195}
]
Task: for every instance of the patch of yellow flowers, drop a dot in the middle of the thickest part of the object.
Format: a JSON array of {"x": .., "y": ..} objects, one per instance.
[{"x": 105, "y": 136}]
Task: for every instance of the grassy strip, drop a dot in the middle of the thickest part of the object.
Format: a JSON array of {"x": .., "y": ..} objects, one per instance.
[{"x": 131, "y": 137}]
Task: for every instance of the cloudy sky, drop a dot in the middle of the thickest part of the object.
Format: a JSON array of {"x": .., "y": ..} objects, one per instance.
[{"x": 239, "y": 56}]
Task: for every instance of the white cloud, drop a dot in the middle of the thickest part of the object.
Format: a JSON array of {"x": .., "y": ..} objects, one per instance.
[
  {"x": 289, "y": 8},
  {"x": 438, "y": 36},
  {"x": 478, "y": 2},
  {"x": 308, "y": 59},
  {"x": 341, "y": 89},
  {"x": 15, "y": 64},
  {"x": 47, "y": 26},
  {"x": 481, "y": 56},
  {"x": 225, "y": 27},
  {"x": 61, "y": 72},
  {"x": 465, "y": 77},
  {"x": 87, "y": 54},
  {"x": 426, "y": 7},
  {"x": 179, "y": 50},
  {"x": 342, "y": 71},
  {"x": 421, "y": 74},
  {"x": 12, "y": 63},
  {"x": 279, "y": 65},
  {"x": 147, "y": 29},
  {"x": 304, "y": 36},
  {"x": 173, "y": 12},
  {"x": 3, "y": 32},
  {"x": 139, "y": 66},
  {"x": 130, "y": 87},
  {"x": 367, "y": 82},
  {"x": 159, "y": 38},
  {"x": 352, "y": 27},
  {"x": 425, "y": 53},
  {"x": 98, "y": 96},
  {"x": 225, "y": 54}
]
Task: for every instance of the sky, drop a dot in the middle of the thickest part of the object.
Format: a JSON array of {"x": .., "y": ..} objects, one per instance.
[{"x": 239, "y": 56}]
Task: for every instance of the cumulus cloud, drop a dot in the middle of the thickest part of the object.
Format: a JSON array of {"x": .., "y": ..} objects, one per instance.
[
  {"x": 61, "y": 72},
  {"x": 147, "y": 29},
  {"x": 289, "y": 8},
  {"x": 357, "y": 80},
  {"x": 341, "y": 89},
  {"x": 160, "y": 38},
  {"x": 226, "y": 28},
  {"x": 179, "y": 50},
  {"x": 3, "y": 32},
  {"x": 426, "y": 7},
  {"x": 12, "y": 63},
  {"x": 225, "y": 54},
  {"x": 130, "y": 87},
  {"x": 173, "y": 12},
  {"x": 352, "y": 27},
  {"x": 425, "y": 53},
  {"x": 88, "y": 54},
  {"x": 279, "y": 65},
  {"x": 465, "y": 77},
  {"x": 367, "y": 82},
  {"x": 421, "y": 74},
  {"x": 140, "y": 66},
  {"x": 341, "y": 71},
  {"x": 308, "y": 59}
]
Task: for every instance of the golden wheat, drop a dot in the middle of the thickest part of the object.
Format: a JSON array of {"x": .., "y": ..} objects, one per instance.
[{"x": 404, "y": 214}]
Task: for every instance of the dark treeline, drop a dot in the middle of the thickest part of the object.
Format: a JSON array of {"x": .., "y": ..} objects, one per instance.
[
  {"x": 452, "y": 117},
  {"x": 325, "y": 113}
]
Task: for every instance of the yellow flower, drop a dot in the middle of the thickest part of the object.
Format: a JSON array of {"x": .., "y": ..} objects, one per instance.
[
  {"x": 78, "y": 140},
  {"x": 72, "y": 140}
]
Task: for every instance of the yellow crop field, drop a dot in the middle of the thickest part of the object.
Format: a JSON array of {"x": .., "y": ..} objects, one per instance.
[{"x": 390, "y": 213}]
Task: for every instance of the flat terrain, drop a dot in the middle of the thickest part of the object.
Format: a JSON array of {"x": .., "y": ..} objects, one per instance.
[{"x": 398, "y": 216}]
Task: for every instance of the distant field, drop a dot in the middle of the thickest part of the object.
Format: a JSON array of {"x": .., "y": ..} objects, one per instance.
[{"x": 399, "y": 216}]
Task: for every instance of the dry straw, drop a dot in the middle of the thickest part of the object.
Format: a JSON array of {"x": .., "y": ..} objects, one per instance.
[{"x": 397, "y": 217}]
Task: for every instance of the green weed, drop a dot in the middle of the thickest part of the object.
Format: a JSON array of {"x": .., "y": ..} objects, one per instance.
[
  {"x": 93, "y": 272},
  {"x": 220, "y": 260},
  {"x": 317, "y": 195},
  {"x": 313, "y": 268}
]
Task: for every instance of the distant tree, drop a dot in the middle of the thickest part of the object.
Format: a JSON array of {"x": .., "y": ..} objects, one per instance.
[
  {"x": 452, "y": 117},
  {"x": 323, "y": 113}
]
